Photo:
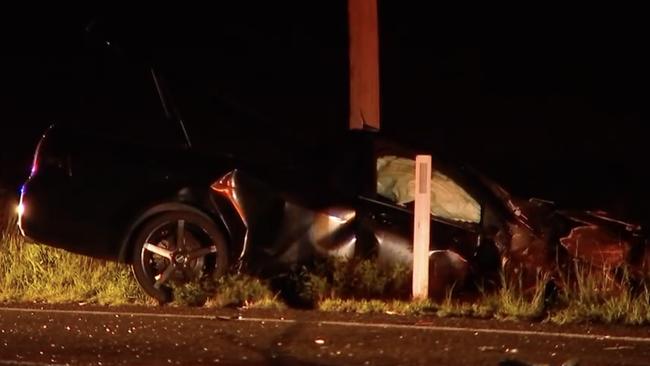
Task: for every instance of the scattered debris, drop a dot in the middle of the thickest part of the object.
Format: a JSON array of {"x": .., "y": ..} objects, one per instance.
[
  {"x": 618, "y": 348},
  {"x": 487, "y": 348}
]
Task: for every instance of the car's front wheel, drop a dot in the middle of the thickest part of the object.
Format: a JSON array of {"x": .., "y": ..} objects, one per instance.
[{"x": 177, "y": 248}]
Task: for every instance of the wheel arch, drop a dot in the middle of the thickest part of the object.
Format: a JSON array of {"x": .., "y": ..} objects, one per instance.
[{"x": 218, "y": 218}]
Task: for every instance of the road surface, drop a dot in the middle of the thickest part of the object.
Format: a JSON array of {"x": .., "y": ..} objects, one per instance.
[{"x": 35, "y": 335}]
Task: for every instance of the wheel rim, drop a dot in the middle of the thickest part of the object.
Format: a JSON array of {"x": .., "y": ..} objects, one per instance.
[{"x": 177, "y": 252}]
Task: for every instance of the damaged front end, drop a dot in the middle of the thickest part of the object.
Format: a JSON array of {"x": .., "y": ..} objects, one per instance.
[
  {"x": 480, "y": 234},
  {"x": 543, "y": 241},
  {"x": 602, "y": 241},
  {"x": 280, "y": 234}
]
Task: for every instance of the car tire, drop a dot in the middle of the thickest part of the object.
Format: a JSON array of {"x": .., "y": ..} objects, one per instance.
[{"x": 176, "y": 248}]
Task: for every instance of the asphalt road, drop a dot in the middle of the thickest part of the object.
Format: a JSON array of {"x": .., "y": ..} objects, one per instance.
[{"x": 34, "y": 335}]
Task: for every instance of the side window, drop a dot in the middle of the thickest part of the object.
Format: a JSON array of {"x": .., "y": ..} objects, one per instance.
[
  {"x": 396, "y": 182},
  {"x": 120, "y": 101}
]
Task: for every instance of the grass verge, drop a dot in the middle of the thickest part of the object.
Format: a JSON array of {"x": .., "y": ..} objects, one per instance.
[{"x": 35, "y": 273}]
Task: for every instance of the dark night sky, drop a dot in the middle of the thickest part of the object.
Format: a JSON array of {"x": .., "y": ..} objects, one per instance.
[{"x": 551, "y": 107}]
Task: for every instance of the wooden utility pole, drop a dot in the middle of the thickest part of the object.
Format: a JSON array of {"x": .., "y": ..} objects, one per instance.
[
  {"x": 364, "y": 64},
  {"x": 421, "y": 226}
]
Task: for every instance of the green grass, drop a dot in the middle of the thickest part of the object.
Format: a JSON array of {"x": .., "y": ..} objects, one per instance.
[
  {"x": 591, "y": 296},
  {"x": 36, "y": 273},
  {"x": 244, "y": 291},
  {"x": 508, "y": 303},
  {"x": 366, "y": 306},
  {"x": 354, "y": 279},
  {"x": 602, "y": 296}
]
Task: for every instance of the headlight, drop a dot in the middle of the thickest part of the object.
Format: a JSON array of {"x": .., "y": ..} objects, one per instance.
[{"x": 20, "y": 209}]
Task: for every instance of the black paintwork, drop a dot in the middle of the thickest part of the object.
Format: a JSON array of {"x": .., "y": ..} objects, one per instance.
[
  {"x": 89, "y": 191},
  {"x": 145, "y": 142}
]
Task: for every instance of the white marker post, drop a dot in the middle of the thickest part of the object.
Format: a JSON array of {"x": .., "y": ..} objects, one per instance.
[{"x": 421, "y": 227}]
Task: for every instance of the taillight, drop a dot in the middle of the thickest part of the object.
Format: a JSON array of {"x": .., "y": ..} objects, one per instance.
[
  {"x": 36, "y": 157},
  {"x": 37, "y": 151},
  {"x": 20, "y": 210}
]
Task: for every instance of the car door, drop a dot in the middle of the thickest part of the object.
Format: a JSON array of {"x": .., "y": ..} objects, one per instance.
[
  {"x": 122, "y": 149},
  {"x": 387, "y": 210}
]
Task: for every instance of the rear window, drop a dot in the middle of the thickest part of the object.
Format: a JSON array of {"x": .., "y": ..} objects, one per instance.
[{"x": 120, "y": 101}]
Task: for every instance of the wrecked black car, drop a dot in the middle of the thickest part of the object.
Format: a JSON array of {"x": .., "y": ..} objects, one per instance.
[
  {"x": 177, "y": 215},
  {"x": 144, "y": 173}
]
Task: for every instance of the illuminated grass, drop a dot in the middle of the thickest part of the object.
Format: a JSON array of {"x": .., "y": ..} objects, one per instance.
[
  {"x": 593, "y": 296},
  {"x": 34, "y": 273},
  {"x": 363, "y": 279},
  {"x": 598, "y": 296},
  {"x": 244, "y": 291},
  {"x": 364, "y": 306},
  {"x": 37, "y": 273},
  {"x": 508, "y": 303}
]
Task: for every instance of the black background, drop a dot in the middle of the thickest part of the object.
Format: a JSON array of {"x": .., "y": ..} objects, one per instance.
[{"x": 550, "y": 104}]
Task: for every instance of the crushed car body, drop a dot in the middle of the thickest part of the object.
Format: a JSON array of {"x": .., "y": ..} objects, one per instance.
[
  {"x": 474, "y": 238},
  {"x": 353, "y": 200}
]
